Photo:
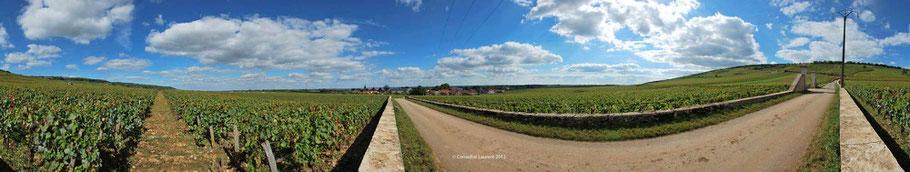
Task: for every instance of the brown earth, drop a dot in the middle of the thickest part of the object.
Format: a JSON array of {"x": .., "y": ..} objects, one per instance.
[
  {"x": 165, "y": 146},
  {"x": 772, "y": 139}
]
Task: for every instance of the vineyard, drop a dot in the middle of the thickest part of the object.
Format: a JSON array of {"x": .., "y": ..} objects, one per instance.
[
  {"x": 613, "y": 99},
  {"x": 50, "y": 127},
  {"x": 697, "y": 89},
  {"x": 890, "y": 99},
  {"x": 305, "y": 132}
]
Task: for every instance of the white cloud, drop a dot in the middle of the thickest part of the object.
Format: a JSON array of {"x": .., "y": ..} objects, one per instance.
[
  {"x": 892, "y": 63},
  {"x": 125, "y": 64},
  {"x": 585, "y": 20},
  {"x": 712, "y": 42},
  {"x": 253, "y": 75},
  {"x": 867, "y": 16},
  {"x": 769, "y": 26},
  {"x": 5, "y": 67},
  {"x": 896, "y": 39},
  {"x": 524, "y": 3},
  {"x": 414, "y": 4},
  {"x": 368, "y": 54},
  {"x": 602, "y": 68},
  {"x": 78, "y": 20},
  {"x": 625, "y": 71},
  {"x": 159, "y": 20},
  {"x": 4, "y": 38},
  {"x": 36, "y": 55},
  {"x": 313, "y": 77},
  {"x": 795, "y": 7},
  {"x": 92, "y": 60},
  {"x": 859, "y": 44},
  {"x": 798, "y": 42},
  {"x": 72, "y": 66},
  {"x": 404, "y": 74},
  {"x": 667, "y": 36},
  {"x": 188, "y": 70},
  {"x": 262, "y": 43},
  {"x": 497, "y": 59},
  {"x": 136, "y": 78}
]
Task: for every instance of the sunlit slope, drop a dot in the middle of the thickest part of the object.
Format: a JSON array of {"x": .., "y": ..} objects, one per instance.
[
  {"x": 702, "y": 88},
  {"x": 12, "y": 78},
  {"x": 784, "y": 73}
]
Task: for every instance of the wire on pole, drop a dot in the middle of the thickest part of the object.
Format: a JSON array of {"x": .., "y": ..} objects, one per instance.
[
  {"x": 444, "y": 26},
  {"x": 482, "y": 23}
]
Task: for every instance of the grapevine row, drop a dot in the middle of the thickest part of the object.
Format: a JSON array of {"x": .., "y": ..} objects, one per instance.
[
  {"x": 891, "y": 99},
  {"x": 52, "y": 128},
  {"x": 306, "y": 133}
]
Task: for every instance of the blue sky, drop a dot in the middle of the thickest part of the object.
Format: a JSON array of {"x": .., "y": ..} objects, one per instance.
[{"x": 223, "y": 45}]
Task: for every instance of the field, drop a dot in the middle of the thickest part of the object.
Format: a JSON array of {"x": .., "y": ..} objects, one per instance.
[
  {"x": 59, "y": 125},
  {"x": 306, "y": 131},
  {"x": 51, "y": 126},
  {"x": 709, "y": 87},
  {"x": 610, "y": 99}
]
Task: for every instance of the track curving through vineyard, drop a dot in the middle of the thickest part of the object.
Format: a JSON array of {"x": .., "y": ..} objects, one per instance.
[{"x": 772, "y": 139}]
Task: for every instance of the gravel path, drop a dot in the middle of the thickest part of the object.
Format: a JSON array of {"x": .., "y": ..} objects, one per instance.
[{"x": 772, "y": 139}]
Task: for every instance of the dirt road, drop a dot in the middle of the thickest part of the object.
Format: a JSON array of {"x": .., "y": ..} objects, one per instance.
[
  {"x": 165, "y": 147},
  {"x": 771, "y": 139}
]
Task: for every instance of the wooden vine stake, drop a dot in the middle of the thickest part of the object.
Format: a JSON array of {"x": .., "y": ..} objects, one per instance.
[
  {"x": 212, "y": 140},
  {"x": 236, "y": 139},
  {"x": 268, "y": 154},
  {"x": 212, "y": 137}
]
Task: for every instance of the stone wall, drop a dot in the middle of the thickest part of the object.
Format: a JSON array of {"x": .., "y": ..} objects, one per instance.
[
  {"x": 861, "y": 149},
  {"x": 384, "y": 152}
]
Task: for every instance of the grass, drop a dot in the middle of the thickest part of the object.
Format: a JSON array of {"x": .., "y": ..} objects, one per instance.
[
  {"x": 823, "y": 153},
  {"x": 415, "y": 152},
  {"x": 613, "y": 133}
]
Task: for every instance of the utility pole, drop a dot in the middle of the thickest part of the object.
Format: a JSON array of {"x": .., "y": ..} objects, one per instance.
[{"x": 843, "y": 55}]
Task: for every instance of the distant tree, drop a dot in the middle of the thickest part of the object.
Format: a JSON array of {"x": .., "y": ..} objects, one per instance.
[
  {"x": 386, "y": 88},
  {"x": 418, "y": 91},
  {"x": 445, "y": 86}
]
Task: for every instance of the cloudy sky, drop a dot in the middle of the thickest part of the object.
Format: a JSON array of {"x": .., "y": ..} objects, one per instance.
[{"x": 221, "y": 45}]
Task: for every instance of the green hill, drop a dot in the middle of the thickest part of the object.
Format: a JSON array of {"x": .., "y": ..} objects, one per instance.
[{"x": 12, "y": 78}]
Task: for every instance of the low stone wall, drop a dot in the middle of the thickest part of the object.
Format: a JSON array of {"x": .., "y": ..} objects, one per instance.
[
  {"x": 628, "y": 118},
  {"x": 861, "y": 149},
  {"x": 384, "y": 152}
]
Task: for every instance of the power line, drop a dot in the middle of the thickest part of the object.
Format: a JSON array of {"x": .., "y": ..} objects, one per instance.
[
  {"x": 463, "y": 18},
  {"x": 446, "y": 25},
  {"x": 482, "y": 23}
]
